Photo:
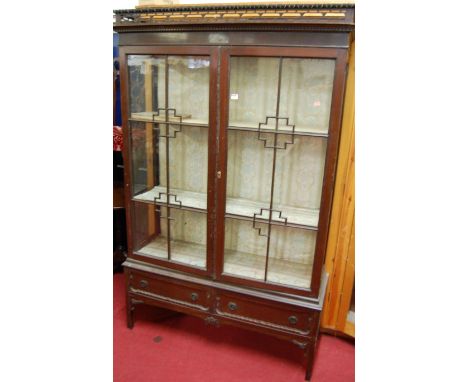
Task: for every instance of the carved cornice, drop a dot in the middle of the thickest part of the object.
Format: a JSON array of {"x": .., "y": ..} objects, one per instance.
[
  {"x": 235, "y": 7},
  {"x": 335, "y": 17}
]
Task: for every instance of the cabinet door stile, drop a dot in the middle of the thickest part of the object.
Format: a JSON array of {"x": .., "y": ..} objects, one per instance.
[
  {"x": 212, "y": 160},
  {"x": 222, "y": 158}
]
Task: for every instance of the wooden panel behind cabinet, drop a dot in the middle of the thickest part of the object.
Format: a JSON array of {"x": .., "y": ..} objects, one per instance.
[{"x": 339, "y": 261}]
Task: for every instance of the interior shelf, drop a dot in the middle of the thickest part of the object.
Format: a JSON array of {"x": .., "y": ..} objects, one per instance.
[
  {"x": 279, "y": 271},
  {"x": 298, "y": 130},
  {"x": 147, "y": 116},
  {"x": 181, "y": 251},
  {"x": 235, "y": 263},
  {"x": 235, "y": 207}
]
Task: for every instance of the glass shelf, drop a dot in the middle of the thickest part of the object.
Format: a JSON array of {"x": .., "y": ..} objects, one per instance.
[{"x": 235, "y": 207}]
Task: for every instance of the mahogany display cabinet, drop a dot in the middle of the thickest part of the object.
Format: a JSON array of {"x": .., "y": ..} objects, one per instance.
[{"x": 231, "y": 118}]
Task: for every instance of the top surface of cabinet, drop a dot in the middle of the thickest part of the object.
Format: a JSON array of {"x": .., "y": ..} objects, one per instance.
[{"x": 230, "y": 151}]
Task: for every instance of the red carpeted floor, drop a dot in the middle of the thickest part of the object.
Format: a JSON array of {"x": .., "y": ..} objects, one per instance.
[{"x": 182, "y": 348}]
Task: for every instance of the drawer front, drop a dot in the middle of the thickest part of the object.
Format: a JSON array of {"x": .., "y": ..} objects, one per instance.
[
  {"x": 264, "y": 312},
  {"x": 172, "y": 291}
]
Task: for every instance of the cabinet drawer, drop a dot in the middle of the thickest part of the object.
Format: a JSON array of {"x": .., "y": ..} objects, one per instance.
[
  {"x": 264, "y": 312},
  {"x": 176, "y": 292}
]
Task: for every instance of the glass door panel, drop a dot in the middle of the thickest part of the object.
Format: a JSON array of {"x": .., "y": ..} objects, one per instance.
[
  {"x": 244, "y": 253},
  {"x": 279, "y": 110},
  {"x": 169, "y": 98},
  {"x": 306, "y": 93},
  {"x": 291, "y": 256}
]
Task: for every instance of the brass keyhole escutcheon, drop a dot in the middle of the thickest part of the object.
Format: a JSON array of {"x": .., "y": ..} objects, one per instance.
[
  {"x": 143, "y": 283},
  {"x": 232, "y": 306},
  {"x": 218, "y": 174},
  {"x": 194, "y": 296},
  {"x": 292, "y": 320}
]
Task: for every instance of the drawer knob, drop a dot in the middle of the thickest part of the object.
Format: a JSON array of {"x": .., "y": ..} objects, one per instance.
[
  {"x": 194, "y": 296},
  {"x": 232, "y": 306},
  {"x": 292, "y": 320},
  {"x": 143, "y": 283}
]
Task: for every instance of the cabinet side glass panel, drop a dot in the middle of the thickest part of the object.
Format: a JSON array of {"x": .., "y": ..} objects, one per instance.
[
  {"x": 173, "y": 141},
  {"x": 277, "y": 140}
]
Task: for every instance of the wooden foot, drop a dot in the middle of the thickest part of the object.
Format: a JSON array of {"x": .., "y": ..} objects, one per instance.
[
  {"x": 131, "y": 302},
  {"x": 130, "y": 314}
]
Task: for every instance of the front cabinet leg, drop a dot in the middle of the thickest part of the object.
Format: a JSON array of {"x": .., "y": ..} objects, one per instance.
[
  {"x": 130, "y": 315},
  {"x": 131, "y": 302},
  {"x": 309, "y": 350}
]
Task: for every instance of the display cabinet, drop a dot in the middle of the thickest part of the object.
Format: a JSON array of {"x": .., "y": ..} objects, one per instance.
[{"x": 231, "y": 128}]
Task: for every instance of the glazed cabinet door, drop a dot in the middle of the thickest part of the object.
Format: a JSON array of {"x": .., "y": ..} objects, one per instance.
[
  {"x": 276, "y": 125},
  {"x": 168, "y": 160}
]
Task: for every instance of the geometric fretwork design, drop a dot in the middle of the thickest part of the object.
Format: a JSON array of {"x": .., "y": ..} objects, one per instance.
[
  {"x": 270, "y": 214},
  {"x": 158, "y": 207},
  {"x": 276, "y": 132},
  {"x": 167, "y": 122},
  {"x": 158, "y": 198}
]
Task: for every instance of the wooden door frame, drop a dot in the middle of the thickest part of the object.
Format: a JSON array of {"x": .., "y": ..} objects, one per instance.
[
  {"x": 212, "y": 52},
  {"x": 341, "y": 57}
]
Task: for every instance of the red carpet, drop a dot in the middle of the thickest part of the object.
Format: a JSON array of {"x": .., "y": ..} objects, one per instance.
[{"x": 182, "y": 348}]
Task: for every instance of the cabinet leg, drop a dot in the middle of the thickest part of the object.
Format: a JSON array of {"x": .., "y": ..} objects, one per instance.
[
  {"x": 310, "y": 354},
  {"x": 130, "y": 312}
]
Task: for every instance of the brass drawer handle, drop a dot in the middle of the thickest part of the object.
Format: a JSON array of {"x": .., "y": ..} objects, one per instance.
[
  {"x": 292, "y": 320},
  {"x": 232, "y": 306},
  {"x": 143, "y": 283},
  {"x": 194, "y": 296}
]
